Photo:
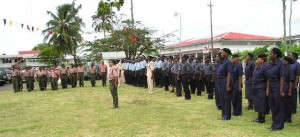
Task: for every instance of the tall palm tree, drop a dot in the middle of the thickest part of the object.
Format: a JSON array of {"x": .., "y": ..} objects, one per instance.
[{"x": 64, "y": 29}]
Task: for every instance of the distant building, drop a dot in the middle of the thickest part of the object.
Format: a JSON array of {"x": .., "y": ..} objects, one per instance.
[
  {"x": 295, "y": 40},
  {"x": 237, "y": 42},
  {"x": 24, "y": 58}
]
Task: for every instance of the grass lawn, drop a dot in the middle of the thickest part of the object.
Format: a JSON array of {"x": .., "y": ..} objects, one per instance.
[{"x": 88, "y": 112}]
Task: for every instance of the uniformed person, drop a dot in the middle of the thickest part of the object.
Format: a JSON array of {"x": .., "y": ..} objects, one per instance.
[
  {"x": 15, "y": 80},
  {"x": 165, "y": 77},
  {"x": 208, "y": 70},
  {"x": 93, "y": 72},
  {"x": 198, "y": 72},
  {"x": 113, "y": 76},
  {"x": 260, "y": 86},
  {"x": 45, "y": 77},
  {"x": 103, "y": 70},
  {"x": 250, "y": 66},
  {"x": 20, "y": 78},
  {"x": 81, "y": 72},
  {"x": 156, "y": 80},
  {"x": 217, "y": 93},
  {"x": 40, "y": 78},
  {"x": 224, "y": 76},
  {"x": 138, "y": 75},
  {"x": 276, "y": 86},
  {"x": 170, "y": 74},
  {"x": 32, "y": 78},
  {"x": 73, "y": 78},
  {"x": 184, "y": 77},
  {"x": 64, "y": 76},
  {"x": 150, "y": 75},
  {"x": 191, "y": 75},
  {"x": 28, "y": 79},
  {"x": 237, "y": 75},
  {"x": 175, "y": 71},
  {"x": 54, "y": 74},
  {"x": 295, "y": 65},
  {"x": 289, "y": 86}
]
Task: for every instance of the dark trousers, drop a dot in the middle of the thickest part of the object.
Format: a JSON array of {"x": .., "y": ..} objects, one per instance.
[
  {"x": 64, "y": 81},
  {"x": 185, "y": 85},
  {"x": 114, "y": 93},
  {"x": 73, "y": 80},
  {"x": 93, "y": 79},
  {"x": 294, "y": 101},
  {"x": 166, "y": 82},
  {"x": 288, "y": 107},
  {"x": 277, "y": 105},
  {"x": 103, "y": 77},
  {"x": 192, "y": 83},
  {"x": 156, "y": 80},
  {"x": 198, "y": 84},
  {"x": 28, "y": 81},
  {"x": 41, "y": 83},
  {"x": 45, "y": 81},
  {"x": 161, "y": 79},
  {"x": 237, "y": 99},
  {"x": 202, "y": 85},
  {"x": 138, "y": 78},
  {"x": 54, "y": 85},
  {"x": 217, "y": 96},
  {"x": 178, "y": 86},
  {"x": 225, "y": 97},
  {"x": 80, "y": 78},
  {"x": 209, "y": 86},
  {"x": 16, "y": 83}
]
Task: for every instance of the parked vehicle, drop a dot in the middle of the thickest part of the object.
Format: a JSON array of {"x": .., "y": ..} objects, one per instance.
[
  {"x": 7, "y": 76},
  {"x": 2, "y": 80}
]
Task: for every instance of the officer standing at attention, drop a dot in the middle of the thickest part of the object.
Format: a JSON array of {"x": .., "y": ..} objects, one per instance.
[
  {"x": 217, "y": 93},
  {"x": 276, "y": 78},
  {"x": 250, "y": 66},
  {"x": 103, "y": 70},
  {"x": 175, "y": 71},
  {"x": 64, "y": 76},
  {"x": 224, "y": 78},
  {"x": 237, "y": 75},
  {"x": 260, "y": 87},
  {"x": 138, "y": 72},
  {"x": 113, "y": 76},
  {"x": 150, "y": 75},
  {"x": 28, "y": 79},
  {"x": 20, "y": 78},
  {"x": 40, "y": 78},
  {"x": 170, "y": 74},
  {"x": 209, "y": 69},
  {"x": 32, "y": 78},
  {"x": 191, "y": 75},
  {"x": 54, "y": 74},
  {"x": 165, "y": 74},
  {"x": 15, "y": 82},
  {"x": 184, "y": 73},
  {"x": 198, "y": 72},
  {"x": 73, "y": 78},
  {"x": 45, "y": 77},
  {"x": 81, "y": 72},
  {"x": 295, "y": 65},
  {"x": 93, "y": 72},
  {"x": 289, "y": 86}
]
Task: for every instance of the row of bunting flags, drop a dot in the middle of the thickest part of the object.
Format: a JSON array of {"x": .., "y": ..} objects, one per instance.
[{"x": 22, "y": 25}]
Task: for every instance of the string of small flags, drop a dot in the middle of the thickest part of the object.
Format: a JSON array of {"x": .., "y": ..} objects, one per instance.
[{"x": 22, "y": 25}]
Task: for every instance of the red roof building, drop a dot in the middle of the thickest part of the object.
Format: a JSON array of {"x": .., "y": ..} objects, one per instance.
[{"x": 32, "y": 52}]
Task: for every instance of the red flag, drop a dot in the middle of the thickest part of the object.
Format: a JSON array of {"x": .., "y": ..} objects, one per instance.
[{"x": 28, "y": 27}]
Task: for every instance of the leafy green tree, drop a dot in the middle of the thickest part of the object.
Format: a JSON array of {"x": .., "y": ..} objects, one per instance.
[
  {"x": 63, "y": 30},
  {"x": 48, "y": 54}
]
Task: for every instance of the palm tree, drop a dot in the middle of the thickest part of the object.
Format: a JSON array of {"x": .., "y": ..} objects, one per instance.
[{"x": 64, "y": 30}]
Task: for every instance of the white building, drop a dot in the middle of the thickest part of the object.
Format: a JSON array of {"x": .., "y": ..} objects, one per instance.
[
  {"x": 24, "y": 58},
  {"x": 237, "y": 42}
]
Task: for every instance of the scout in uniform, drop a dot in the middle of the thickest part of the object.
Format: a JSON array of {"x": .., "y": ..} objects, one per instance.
[
  {"x": 250, "y": 66},
  {"x": 260, "y": 87},
  {"x": 54, "y": 74},
  {"x": 184, "y": 77},
  {"x": 103, "y": 69},
  {"x": 289, "y": 86},
  {"x": 208, "y": 71},
  {"x": 28, "y": 79},
  {"x": 15, "y": 81},
  {"x": 40, "y": 79},
  {"x": 45, "y": 78},
  {"x": 198, "y": 72},
  {"x": 93, "y": 72},
  {"x": 295, "y": 65},
  {"x": 113, "y": 76},
  {"x": 20, "y": 78},
  {"x": 237, "y": 75},
  {"x": 276, "y": 78},
  {"x": 191, "y": 76},
  {"x": 224, "y": 74},
  {"x": 81, "y": 72},
  {"x": 73, "y": 78},
  {"x": 32, "y": 78},
  {"x": 150, "y": 74},
  {"x": 64, "y": 76}
]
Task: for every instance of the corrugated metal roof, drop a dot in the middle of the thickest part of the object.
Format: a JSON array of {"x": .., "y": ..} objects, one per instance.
[
  {"x": 35, "y": 52},
  {"x": 113, "y": 55}
]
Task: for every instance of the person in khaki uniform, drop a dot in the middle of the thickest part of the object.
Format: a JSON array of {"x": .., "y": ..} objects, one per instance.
[
  {"x": 81, "y": 71},
  {"x": 45, "y": 77},
  {"x": 54, "y": 74},
  {"x": 32, "y": 78},
  {"x": 15, "y": 79},
  {"x": 40, "y": 79},
  {"x": 28, "y": 79},
  {"x": 150, "y": 73},
  {"x": 64, "y": 76},
  {"x": 20, "y": 79},
  {"x": 113, "y": 76},
  {"x": 73, "y": 78},
  {"x": 103, "y": 69},
  {"x": 93, "y": 71}
]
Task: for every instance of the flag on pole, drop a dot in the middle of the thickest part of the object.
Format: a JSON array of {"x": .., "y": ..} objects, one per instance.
[
  {"x": 4, "y": 21},
  {"x": 22, "y": 25},
  {"x": 28, "y": 27},
  {"x": 32, "y": 28}
]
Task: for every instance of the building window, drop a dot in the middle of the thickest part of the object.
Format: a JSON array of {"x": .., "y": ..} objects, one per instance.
[{"x": 6, "y": 61}]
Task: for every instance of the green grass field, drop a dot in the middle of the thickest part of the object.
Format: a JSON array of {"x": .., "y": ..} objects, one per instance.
[{"x": 88, "y": 112}]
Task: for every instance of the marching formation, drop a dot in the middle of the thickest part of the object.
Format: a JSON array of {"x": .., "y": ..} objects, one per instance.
[{"x": 271, "y": 84}]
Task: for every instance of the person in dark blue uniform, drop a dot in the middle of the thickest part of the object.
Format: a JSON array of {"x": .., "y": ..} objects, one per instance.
[
  {"x": 217, "y": 93},
  {"x": 185, "y": 72},
  {"x": 224, "y": 81},
  {"x": 289, "y": 86},
  {"x": 198, "y": 72},
  {"x": 296, "y": 66},
  {"x": 237, "y": 75},
  {"x": 259, "y": 87},
  {"x": 250, "y": 66},
  {"x": 276, "y": 78}
]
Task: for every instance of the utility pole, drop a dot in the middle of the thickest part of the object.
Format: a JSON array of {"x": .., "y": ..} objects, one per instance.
[
  {"x": 284, "y": 25},
  {"x": 290, "y": 23},
  {"x": 132, "y": 19},
  {"x": 211, "y": 32}
]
